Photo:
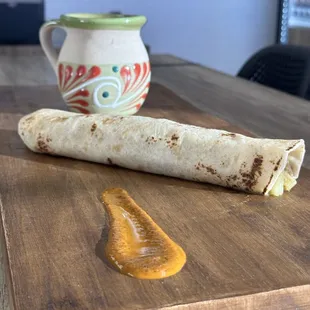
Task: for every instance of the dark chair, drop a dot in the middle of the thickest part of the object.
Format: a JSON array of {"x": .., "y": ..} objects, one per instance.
[{"x": 283, "y": 67}]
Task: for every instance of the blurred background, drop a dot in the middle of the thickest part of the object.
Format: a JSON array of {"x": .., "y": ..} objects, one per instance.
[{"x": 218, "y": 34}]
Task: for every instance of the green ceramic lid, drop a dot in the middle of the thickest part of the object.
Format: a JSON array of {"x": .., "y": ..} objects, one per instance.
[{"x": 102, "y": 21}]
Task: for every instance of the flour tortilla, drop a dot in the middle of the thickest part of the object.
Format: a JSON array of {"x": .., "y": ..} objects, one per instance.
[{"x": 164, "y": 147}]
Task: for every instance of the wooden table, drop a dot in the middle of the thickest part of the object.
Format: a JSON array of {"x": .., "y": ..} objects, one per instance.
[{"x": 244, "y": 251}]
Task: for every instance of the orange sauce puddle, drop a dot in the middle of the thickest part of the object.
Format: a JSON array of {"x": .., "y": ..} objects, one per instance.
[{"x": 136, "y": 245}]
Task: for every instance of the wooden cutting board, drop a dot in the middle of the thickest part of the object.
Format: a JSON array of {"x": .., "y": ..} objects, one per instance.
[{"x": 244, "y": 251}]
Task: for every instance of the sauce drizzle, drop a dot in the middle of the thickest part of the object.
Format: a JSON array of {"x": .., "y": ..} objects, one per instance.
[{"x": 136, "y": 245}]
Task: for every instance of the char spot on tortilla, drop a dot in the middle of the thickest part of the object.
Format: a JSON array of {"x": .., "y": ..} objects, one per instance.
[
  {"x": 232, "y": 181},
  {"x": 250, "y": 178},
  {"x": 151, "y": 139},
  {"x": 289, "y": 148},
  {"x": 233, "y": 135},
  {"x": 265, "y": 189},
  {"x": 93, "y": 127},
  {"x": 171, "y": 143},
  {"x": 277, "y": 164},
  {"x": 209, "y": 169},
  {"x": 42, "y": 146},
  {"x": 232, "y": 178},
  {"x": 174, "y": 137},
  {"x": 110, "y": 161},
  {"x": 258, "y": 161}
]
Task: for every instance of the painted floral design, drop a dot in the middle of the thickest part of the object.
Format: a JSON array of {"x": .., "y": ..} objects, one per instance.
[
  {"x": 71, "y": 83},
  {"x": 105, "y": 89},
  {"x": 134, "y": 80}
]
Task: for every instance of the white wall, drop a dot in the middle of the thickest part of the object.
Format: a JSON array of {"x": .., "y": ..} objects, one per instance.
[{"x": 218, "y": 34}]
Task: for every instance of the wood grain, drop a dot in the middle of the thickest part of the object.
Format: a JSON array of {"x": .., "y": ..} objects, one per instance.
[
  {"x": 242, "y": 249},
  {"x": 293, "y": 298}
]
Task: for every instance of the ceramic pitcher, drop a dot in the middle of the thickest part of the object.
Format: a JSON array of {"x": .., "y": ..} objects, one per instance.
[{"x": 103, "y": 65}]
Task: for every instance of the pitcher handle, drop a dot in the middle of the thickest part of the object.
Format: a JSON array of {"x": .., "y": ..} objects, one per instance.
[{"x": 45, "y": 36}]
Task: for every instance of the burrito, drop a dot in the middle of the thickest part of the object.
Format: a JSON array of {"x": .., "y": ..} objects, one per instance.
[{"x": 165, "y": 147}]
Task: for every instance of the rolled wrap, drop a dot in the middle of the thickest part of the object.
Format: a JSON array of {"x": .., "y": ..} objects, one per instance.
[{"x": 164, "y": 147}]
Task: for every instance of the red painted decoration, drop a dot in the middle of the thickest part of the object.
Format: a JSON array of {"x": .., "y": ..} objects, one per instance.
[
  {"x": 82, "y": 92},
  {"x": 72, "y": 81},
  {"x": 82, "y": 110}
]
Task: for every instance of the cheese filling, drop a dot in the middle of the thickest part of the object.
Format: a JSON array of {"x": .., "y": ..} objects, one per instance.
[{"x": 285, "y": 182}]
